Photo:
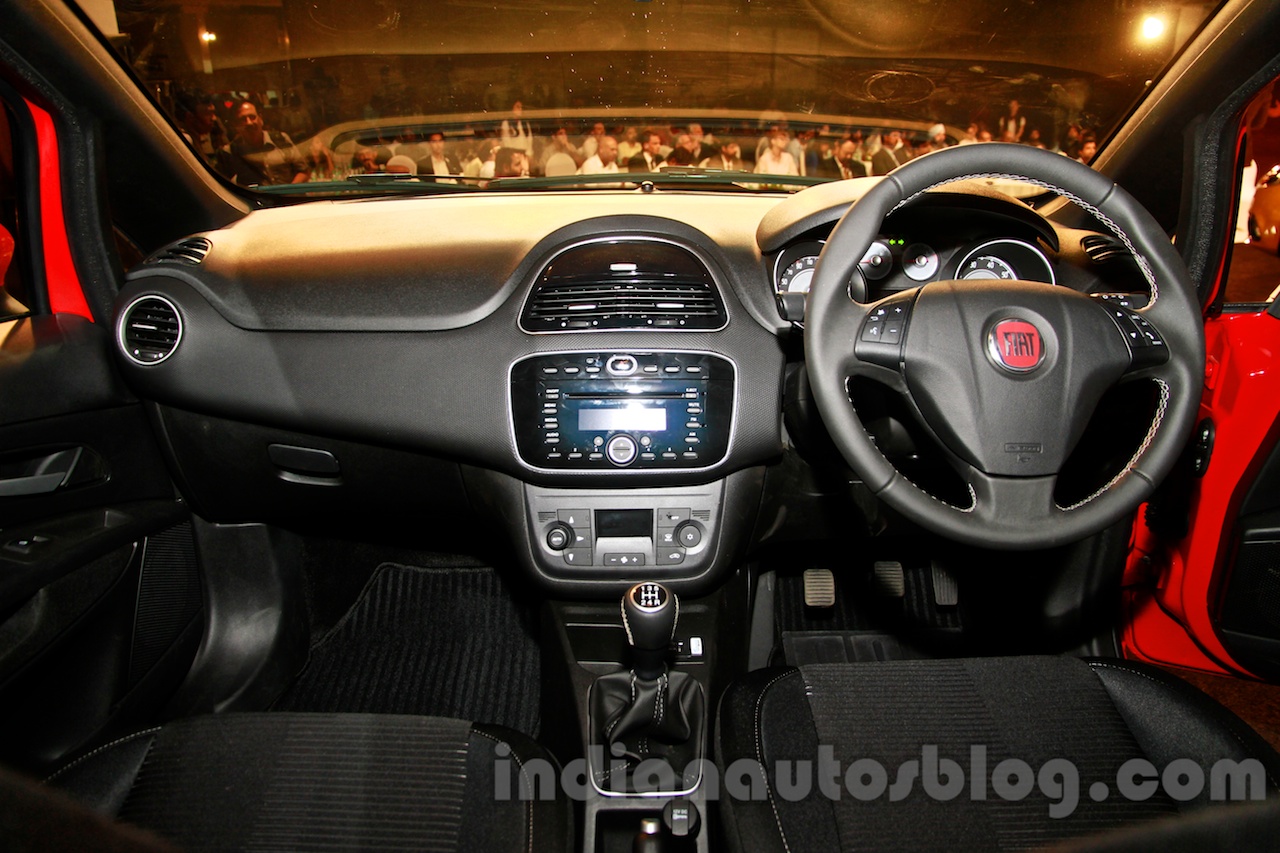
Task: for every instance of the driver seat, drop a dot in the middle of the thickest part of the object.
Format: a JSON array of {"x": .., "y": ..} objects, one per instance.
[{"x": 1009, "y": 753}]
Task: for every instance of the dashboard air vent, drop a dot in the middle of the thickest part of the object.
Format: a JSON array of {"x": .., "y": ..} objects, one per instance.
[
  {"x": 190, "y": 252},
  {"x": 624, "y": 285},
  {"x": 1102, "y": 249},
  {"x": 150, "y": 329}
]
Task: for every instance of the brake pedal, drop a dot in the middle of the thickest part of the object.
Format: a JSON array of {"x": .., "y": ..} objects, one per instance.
[
  {"x": 888, "y": 579},
  {"x": 819, "y": 588}
]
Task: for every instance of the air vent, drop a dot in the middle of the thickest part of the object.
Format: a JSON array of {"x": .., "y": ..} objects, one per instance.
[
  {"x": 190, "y": 252},
  {"x": 1102, "y": 249},
  {"x": 150, "y": 329},
  {"x": 624, "y": 285}
]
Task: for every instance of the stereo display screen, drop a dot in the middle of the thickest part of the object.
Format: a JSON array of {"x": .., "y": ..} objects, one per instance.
[{"x": 639, "y": 418}]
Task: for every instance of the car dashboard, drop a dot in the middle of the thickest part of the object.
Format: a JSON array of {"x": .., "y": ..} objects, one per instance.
[{"x": 601, "y": 374}]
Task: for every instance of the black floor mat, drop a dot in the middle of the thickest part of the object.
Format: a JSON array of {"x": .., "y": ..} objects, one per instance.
[{"x": 440, "y": 642}]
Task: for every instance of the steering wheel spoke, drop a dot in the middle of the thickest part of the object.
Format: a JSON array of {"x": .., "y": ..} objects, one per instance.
[{"x": 1013, "y": 502}]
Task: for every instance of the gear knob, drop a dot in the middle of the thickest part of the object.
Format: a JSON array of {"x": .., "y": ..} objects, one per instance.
[{"x": 649, "y": 614}]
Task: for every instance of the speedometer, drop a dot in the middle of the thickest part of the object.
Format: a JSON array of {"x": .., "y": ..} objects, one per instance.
[{"x": 987, "y": 266}]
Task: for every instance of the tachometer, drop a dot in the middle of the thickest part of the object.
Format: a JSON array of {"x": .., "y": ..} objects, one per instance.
[
  {"x": 793, "y": 270},
  {"x": 798, "y": 275}
]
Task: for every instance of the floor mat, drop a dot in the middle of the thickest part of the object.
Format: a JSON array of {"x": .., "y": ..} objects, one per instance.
[{"x": 440, "y": 642}]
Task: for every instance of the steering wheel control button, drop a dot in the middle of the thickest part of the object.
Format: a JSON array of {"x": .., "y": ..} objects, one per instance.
[
  {"x": 622, "y": 365},
  {"x": 622, "y": 450},
  {"x": 1146, "y": 347},
  {"x": 883, "y": 330},
  {"x": 1016, "y": 345}
]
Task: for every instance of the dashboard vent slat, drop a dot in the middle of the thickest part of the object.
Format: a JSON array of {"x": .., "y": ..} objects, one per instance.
[
  {"x": 150, "y": 330},
  {"x": 190, "y": 252},
  {"x": 1102, "y": 249},
  {"x": 624, "y": 285}
]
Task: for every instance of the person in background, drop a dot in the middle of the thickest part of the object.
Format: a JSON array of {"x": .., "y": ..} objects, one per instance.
[
  {"x": 1088, "y": 148},
  {"x": 365, "y": 161},
  {"x": 776, "y": 160},
  {"x": 1013, "y": 124},
  {"x": 258, "y": 157},
  {"x": 510, "y": 163},
  {"x": 591, "y": 142},
  {"x": 650, "y": 156},
  {"x": 198, "y": 120},
  {"x": 436, "y": 161},
  {"x": 604, "y": 161},
  {"x": 514, "y": 132},
  {"x": 728, "y": 158},
  {"x": 629, "y": 146}
]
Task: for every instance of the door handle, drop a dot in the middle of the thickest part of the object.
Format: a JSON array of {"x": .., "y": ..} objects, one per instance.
[{"x": 40, "y": 475}]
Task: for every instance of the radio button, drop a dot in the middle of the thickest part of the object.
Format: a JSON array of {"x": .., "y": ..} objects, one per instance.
[
  {"x": 553, "y": 439},
  {"x": 572, "y": 370},
  {"x": 575, "y": 455},
  {"x": 622, "y": 365},
  {"x": 694, "y": 409},
  {"x": 622, "y": 450},
  {"x": 689, "y": 455},
  {"x": 692, "y": 439},
  {"x": 651, "y": 368},
  {"x": 668, "y": 455},
  {"x": 645, "y": 441},
  {"x": 693, "y": 425},
  {"x": 692, "y": 369},
  {"x": 672, "y": 368},
  {"x": 648, "y": 457},
  {"x": 550, "y": 371},
  {"x": 595, "y": 456}
]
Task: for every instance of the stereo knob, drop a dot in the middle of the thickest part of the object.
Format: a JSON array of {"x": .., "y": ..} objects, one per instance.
[
  {"x": 559, "y": 536},
  {"x": 621, "y": 450},
  {"x": 622, "y": 365}
]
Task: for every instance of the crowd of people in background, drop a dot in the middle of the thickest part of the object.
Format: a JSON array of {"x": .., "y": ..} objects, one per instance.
[{"x": 246, "y": 151}]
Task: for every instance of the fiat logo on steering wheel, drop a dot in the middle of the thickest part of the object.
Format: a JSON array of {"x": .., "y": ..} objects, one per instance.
[{"x": 1016, "y": 346}]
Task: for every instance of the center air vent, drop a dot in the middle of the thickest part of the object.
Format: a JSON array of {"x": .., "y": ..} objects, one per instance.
[
  {"x": 190, "y": 251},
  {"x": 624, "y": 285},
  {"x": 150, "y": 329}
]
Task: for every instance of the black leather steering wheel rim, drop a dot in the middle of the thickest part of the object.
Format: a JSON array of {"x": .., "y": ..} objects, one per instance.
[{"x": 1007, "y": 512}]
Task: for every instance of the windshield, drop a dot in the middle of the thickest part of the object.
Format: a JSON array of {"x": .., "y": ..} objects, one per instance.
[{"x": 447, "y": 96}]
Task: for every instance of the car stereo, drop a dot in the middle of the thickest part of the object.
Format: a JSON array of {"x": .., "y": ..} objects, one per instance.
[{"x": 622, "y": 410}]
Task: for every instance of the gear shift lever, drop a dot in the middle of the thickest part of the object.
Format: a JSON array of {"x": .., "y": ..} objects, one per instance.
[
  {"x": 648, "y": 711},
  {"x": 649, "y": 614}
]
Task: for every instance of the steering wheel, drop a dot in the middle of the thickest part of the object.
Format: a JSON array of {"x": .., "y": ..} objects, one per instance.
[{"x": 1005, "y": 375}]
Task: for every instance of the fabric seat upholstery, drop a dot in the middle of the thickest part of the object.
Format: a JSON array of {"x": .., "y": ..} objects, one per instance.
[
  {"x": 285, "y": 781},
  {"x": 1096, "y": 715}
]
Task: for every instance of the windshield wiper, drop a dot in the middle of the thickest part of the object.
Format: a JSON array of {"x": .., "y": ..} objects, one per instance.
[{"x": 684, "y": 177}]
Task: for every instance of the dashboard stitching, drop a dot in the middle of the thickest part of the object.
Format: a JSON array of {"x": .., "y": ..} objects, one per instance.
[
  {"x": 1142, "y": 448},
  {"x": 1143, "y": 265}
]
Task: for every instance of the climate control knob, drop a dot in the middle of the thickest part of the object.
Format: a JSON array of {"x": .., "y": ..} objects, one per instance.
[
  {"x": 621, "y": 450},
  {"x": 559, "y": 536}
]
